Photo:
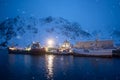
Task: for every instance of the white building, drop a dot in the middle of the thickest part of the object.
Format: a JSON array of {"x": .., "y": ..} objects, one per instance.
[{"x": 95, "y": 44}]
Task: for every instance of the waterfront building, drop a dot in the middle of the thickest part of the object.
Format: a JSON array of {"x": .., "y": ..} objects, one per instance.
[{"x": 104, "y": 44}]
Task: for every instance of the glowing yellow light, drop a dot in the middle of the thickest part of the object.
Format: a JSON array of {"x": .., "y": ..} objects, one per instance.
[
  {"x": 63, "y": 45},
  {"x": 12, "y": 48},
  {"x": 28, "y": 49},
  {"x": 46, "y": 49},
  {"x": 67, "y": 45},
  {"x": 70, "y": 51},
  {"x": 49, "y": 64},
  {"x": 50, "y": 43}
]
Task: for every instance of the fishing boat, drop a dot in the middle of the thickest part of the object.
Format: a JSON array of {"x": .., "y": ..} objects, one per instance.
[{"x": 32, "y": 49}]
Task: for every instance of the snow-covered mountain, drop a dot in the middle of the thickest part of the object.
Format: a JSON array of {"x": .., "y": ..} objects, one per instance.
[{"x": 22, "y": 31}]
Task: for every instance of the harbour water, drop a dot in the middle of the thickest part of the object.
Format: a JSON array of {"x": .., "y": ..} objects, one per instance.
[{"x": 57, "y": 67}]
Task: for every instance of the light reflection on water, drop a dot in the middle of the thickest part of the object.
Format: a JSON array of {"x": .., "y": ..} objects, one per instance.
[
  {"x": 49, "y": 65},
  {"x": 54, "y": 67}
]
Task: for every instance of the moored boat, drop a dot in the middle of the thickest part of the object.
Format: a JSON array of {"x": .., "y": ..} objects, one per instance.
[
  {"x": 33, "y": 49},
  {"x": 116, "y": 52}
]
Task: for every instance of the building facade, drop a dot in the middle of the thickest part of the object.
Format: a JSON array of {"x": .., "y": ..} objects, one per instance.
[{"x": 95, "y": 44}]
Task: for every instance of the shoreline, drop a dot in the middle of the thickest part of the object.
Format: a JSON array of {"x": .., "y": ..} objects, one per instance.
[
  {"x": 67, "y": 54},
  {"x": 62, "y": 54}
]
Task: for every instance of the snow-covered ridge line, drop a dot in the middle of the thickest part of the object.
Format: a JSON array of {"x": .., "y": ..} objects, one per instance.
[{"x": 22, "y": 31}]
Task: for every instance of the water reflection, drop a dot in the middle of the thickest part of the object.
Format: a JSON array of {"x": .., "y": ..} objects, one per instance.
[
  {"x": 11, "y": 59},
  {"x": 27, "y": 60},
  {"x": 49, "y": 65}
]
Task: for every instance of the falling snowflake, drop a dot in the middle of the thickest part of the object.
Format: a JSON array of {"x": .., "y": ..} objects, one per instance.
[
  {"x": 119, "y": 3},
  {"x": 7, "y": 17},
  {"x": 111, "y": 37},
  {"x": 23, "y": 12},
  {"x": 97, "y": 0},
  {"x": 32, "y": 15},
  {"x": 18, "y": 10},
  {"x": 18, "y": 37},
  {"x": 56, "y": 36}
]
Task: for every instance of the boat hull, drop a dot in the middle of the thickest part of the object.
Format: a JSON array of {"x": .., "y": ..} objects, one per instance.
[{"x": 35, "y": 51}]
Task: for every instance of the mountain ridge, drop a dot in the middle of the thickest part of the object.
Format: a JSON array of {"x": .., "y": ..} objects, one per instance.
[{"x": 23, "y": 30}]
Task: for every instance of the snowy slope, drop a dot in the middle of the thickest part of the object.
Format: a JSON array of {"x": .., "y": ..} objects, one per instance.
[{"x": 22, "y": 31}]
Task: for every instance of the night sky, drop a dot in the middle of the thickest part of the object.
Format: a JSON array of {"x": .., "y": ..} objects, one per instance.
[{"x": 90, "y": 14}]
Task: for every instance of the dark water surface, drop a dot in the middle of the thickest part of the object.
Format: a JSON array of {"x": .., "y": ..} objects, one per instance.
[{"x": 54, "y": 67}]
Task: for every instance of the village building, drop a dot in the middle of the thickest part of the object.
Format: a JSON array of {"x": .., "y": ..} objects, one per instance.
[{"x": 103, "y": 44}]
